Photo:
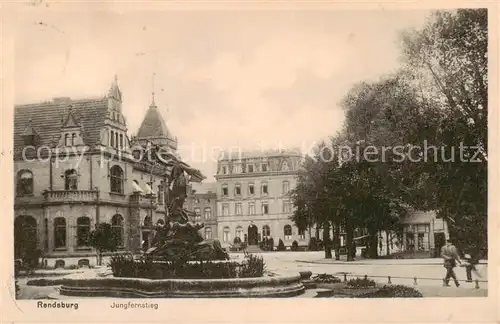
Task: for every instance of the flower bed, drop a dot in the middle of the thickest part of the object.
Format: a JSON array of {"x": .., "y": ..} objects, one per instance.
[
  {"x": 251, "y": 267},
  {"x": 394, "y": 291}
]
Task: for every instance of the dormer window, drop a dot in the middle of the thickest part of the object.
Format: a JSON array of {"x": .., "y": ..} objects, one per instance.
[
  {"x": 30, "y": 135},
  {"x": 250, "y": 168}
]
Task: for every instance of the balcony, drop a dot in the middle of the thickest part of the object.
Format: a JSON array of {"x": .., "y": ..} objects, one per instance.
[{"x": 70, "y": 196}]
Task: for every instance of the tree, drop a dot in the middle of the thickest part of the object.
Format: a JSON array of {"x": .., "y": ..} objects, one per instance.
[
  {"x": 449, "y": 60},
  {"x": 104, "y": 239}
]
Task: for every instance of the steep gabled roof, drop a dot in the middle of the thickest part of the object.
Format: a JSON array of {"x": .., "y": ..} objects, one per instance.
[
  {"x": 46, "y": 118},
  {"x": 153, "y": 125}
]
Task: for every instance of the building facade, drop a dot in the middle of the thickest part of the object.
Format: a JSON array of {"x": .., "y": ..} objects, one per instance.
[
  {"x": 253, "y": 200},
  {"x": 74, "y": 168},
  {"x": 202, "y": 200}
]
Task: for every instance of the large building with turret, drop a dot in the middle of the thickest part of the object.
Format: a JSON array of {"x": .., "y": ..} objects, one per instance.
[{"x": 74, "y": 168}]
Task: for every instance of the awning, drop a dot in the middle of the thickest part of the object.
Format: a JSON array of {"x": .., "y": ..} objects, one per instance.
[{"x": 360, "y": 237}]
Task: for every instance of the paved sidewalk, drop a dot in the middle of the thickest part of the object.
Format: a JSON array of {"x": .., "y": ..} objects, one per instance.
[{"x": 429, "y": 261}]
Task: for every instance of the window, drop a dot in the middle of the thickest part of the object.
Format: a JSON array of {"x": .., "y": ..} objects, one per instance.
[
  {"x": 82, "y": 231},
  {"x": 224, "y": 169},
  {"x": 208, "y": 213},
  {"x": 73, "y": 139},
  {"x": 250, "y": 168},
  {"x": 264, "y": 188},
  {"x": 238, "y": 209},
  {"x": 239, "y": 232},
  {"x": 265, "y": 208},
  {"x": 266, "y": 231},
  {"x": 121, "y": 140},
  {"x": 197, "y": 211},
  {"x": 59, "y": 233},
  {"x": 116, "y": 175},
  {"x": 118, "y": 230},
  {"x": 287, "y": 230},
  {"x": 251, "y": 208},
  {"x": 284, "y": 167},
  {"x": 287, "y": 206},
  {"x": 237, "y": 168},
  {"x": 264, "y": 167},
  {"x": 251, "y": 189},
  {"x": 302, "y": 234},
  {"x": 286, "y": 187},
  {"x": 67, "y": 140},
  {"x": 70, "y": 180},
  {"x": 225, "y": 191},
  {"x": 237, "y": 190},
  {"x": 112, "y": 139},
  {"x": 225, "y": 209},
  {"x": 116, "y": 140},
  {"x": 25, "y": 183},
  {"x": 226, "y": 236},
  {"x": 208, "y": 233}
]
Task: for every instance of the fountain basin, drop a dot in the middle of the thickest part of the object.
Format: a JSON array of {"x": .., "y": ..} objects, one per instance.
[{"x": 286, "y": 286}]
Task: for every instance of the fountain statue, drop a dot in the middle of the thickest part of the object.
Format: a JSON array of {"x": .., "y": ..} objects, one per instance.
[{"x": 179, "y": 240}]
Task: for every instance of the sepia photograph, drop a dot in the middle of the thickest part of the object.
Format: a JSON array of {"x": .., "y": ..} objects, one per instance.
[{"x": 289, "y": 154}]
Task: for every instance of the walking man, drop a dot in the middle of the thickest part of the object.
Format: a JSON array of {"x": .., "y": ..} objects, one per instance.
[{"x": 450, "y": 256}]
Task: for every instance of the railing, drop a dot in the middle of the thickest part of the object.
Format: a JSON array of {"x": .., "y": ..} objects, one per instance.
[
  {"x": 70, "y": 196},
  {"x": 415, "y": 280}
]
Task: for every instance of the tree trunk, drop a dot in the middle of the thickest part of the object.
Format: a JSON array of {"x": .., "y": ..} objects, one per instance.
[
  {"x": 349, "y": 231},
  {"x": 336, "y": 240},
  {"x": 317, "y": 233},
  {"x": 326, "y": 241},
  {"x": 387, "y": 249},
  {"x": 373, "y": 243}
]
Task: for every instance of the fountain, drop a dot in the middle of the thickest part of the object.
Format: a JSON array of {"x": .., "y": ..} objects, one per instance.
[{"x": 177, "y": 246}]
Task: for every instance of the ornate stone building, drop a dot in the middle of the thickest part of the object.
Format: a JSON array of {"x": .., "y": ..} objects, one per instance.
[
  {"x": 253, "y": 197},
  {"x": 74, "y": 168}
]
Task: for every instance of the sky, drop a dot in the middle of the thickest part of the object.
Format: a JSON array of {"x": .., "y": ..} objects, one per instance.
[{"x": 241, "y": 79}]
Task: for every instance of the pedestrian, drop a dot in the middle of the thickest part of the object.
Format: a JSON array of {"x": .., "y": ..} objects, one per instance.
[
  {"x": 470, "y": 265},
  {"x": 450, "y": 256}
]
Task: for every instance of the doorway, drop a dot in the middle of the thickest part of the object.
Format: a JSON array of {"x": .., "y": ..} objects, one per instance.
[{"x": 252, "y": 235}]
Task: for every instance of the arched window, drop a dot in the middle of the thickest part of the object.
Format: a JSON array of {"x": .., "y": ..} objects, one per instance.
[
  {"x": 266, "y": 231},
  {"x": 59, "y": 232},
  {"x": 25, "y": 234},
  {"x": 112, "y": 139},
  {"x": 226, "y": 235},
  {"x": 24, "y": 183},
  {"x": 116, "y": 179},
  {"x": 67, "y": 140},
  {"x": 70, "y": 180},
  {"x": 239, "y": 232},
  {"x": 73, "y": 139},
  {"x": 82, "y": 231},
  {"x": 287, "y": 230},
  {"x": 117, "y": 226},
  {"x": 208, "y": 233}
]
